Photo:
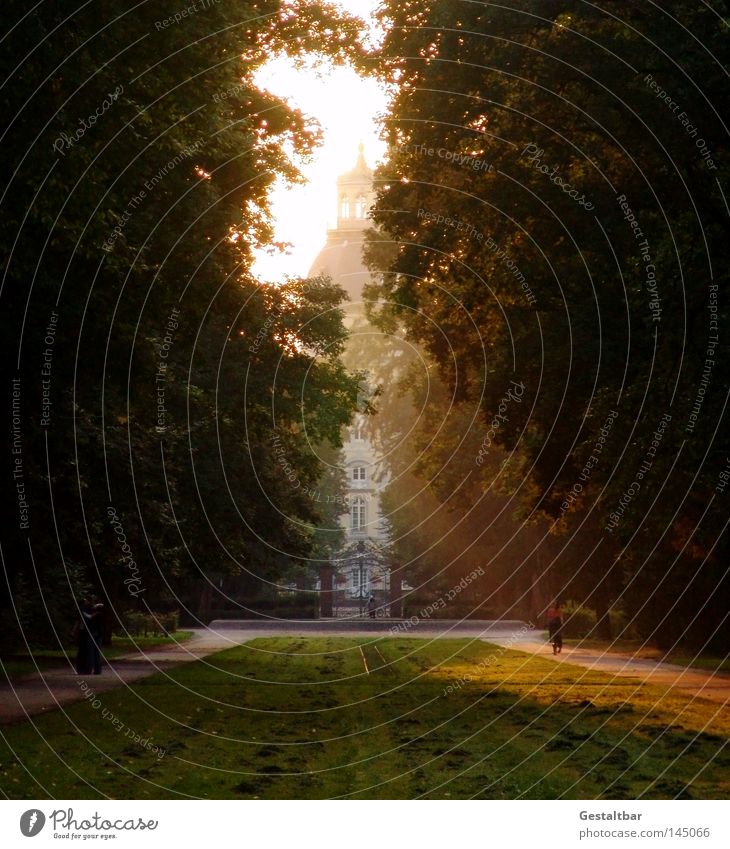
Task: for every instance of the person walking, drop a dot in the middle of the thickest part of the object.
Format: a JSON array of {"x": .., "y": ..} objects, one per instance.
[
  {"x": 555, "y": 626},
  {"x": 83, "y": 638},
  {"x": 96, "y": 632},
  {"x": 89, "y": 631},
  {"x": 372, "y": 607}
]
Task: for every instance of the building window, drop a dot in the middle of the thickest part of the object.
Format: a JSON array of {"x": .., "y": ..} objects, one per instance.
[
  {"x": 356, "y": 589},
  {"x": 358, "y": 473},
  {"x": 344, "y": 207},
  {"x": 361, "y": 207},
  {"x": 358, "y": 514}
]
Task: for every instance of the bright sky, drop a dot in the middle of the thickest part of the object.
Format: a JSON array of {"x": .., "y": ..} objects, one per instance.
[{"x": 346, "y": 107}]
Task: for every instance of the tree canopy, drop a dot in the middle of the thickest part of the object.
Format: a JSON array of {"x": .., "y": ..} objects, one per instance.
[
  {"x": 165, "y": 402},
  {"x": 551, "y": 212}
]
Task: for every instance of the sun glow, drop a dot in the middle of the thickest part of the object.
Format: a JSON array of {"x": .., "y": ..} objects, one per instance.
[{"x": 346, "y": 107}]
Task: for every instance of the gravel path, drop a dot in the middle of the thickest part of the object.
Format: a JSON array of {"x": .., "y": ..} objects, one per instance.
[
  {"x": 714, "y": 686},
  {"x": 47, "y": 690}
]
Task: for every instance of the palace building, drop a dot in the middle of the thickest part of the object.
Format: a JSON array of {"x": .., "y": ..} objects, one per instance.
[{"x": 361, "y": 571}]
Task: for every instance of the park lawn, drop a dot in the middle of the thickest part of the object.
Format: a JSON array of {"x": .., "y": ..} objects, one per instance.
[
  {"x": 26, "y": 663},
  {"x": 301, "y": 718}
]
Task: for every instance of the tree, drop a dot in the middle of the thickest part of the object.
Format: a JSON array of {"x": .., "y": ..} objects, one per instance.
[
  {"x": 552, "y": 201},
  {"x": 153, "y": 371}
]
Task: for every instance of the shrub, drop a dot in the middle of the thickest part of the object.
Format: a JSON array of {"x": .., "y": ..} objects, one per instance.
[
  {"x": 137, "y": 624},
  {"x": 579, "y": 621},
  {"x": 622, "y": 628}
]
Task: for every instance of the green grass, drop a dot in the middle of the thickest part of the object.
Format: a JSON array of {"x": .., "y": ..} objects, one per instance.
[
  {"x": 19, "y": 665},
  {"x": 128, "y": 645},
  {"x": 708, "y": 662},
  {"x": 300, "y": 718},
  {"x": 636, "y": 648}
]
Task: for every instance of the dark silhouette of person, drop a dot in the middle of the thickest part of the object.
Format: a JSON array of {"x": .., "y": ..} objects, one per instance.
[
  {"x": 555, "y": 627},
  {"x": 83, "y": 638},
  {"x": 372, "y": 607},
  {"x": 96, "y": 630},
  {"x": 89, "y": 636}
]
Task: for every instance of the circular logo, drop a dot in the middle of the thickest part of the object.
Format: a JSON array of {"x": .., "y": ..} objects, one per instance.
[{"x": 32, "y": 822}]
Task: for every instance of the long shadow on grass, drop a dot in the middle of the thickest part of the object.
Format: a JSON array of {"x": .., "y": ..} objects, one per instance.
[{"x": 399, "y": 718}]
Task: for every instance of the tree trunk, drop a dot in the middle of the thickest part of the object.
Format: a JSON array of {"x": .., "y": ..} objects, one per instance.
[
  {"x": 325, "y": 591},
  {"x": 603, "y": 621},
  {"x": 396, "y": 594},
  {"x": 205, "y": 600}
]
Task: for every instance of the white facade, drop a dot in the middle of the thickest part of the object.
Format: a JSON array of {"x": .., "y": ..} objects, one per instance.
[{"x": 361, "y": 572}]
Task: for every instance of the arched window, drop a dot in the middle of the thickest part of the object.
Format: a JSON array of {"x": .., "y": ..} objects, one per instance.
[
  {"x": 358, "y": 514},
  {"x": 358, "y": 473},
  {"x": 361, "y": 207},
  {"x": 344, "y": 207}
]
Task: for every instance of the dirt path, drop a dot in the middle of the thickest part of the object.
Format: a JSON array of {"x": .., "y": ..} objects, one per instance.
[
  {"x": 52, "y": 688},
  {"x": 48, "y": 690},
  {"x": 714, "y": 686}
]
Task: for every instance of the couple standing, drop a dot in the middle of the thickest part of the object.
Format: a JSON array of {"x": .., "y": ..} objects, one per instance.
[{"x": 89, "y": 631}]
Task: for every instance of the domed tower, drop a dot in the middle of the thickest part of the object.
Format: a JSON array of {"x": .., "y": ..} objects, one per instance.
[
  {"x": 354, "y": 197},
  {"x": 341, "y": 257}
]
